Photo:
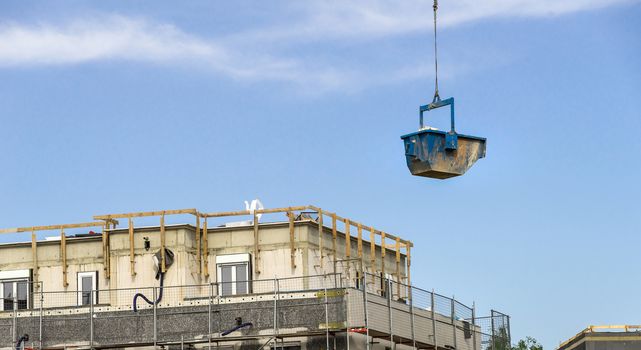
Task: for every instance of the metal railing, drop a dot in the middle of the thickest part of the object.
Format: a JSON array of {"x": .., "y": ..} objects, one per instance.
[{"x": 331, "y": 310}]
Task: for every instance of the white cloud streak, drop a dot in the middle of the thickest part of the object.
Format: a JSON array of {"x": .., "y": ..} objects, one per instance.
[{"x": 235, "y": 56}]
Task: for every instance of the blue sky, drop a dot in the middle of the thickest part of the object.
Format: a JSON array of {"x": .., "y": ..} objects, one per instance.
[{"x": 127, "y": 106}]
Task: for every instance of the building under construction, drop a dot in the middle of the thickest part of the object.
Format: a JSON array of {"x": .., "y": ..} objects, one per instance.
[{"x": 285, "y": 278}]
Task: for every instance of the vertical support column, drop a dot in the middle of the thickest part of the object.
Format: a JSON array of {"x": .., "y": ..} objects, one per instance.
[
  {"x": 162, "y": 243},
  {"x": 360, "y": 243},
  {"x": 408, "y": 259},
  {"x": 410, "y": 294},
  {"x": 256, "y": 248},
  {"x": 326, "y": 306},
  {"x": 389, "y": 314},
  {"x": 434, "y": 332},
  {"x": 292, "y": 242},
  {"x": 509, "y": 332},
  {"x": 155, "y": 294},
  {"x": 348, "y": 241},
  {"x": 398, "y": 266},
  {"x": 383, "y": 251},
  {"x": 474, "y": 325},
  {"x": 106, "y": 252},
  {"x": 321, "y": 235},
  {"x": 34, "y": 258},
  {"x": 372, "y": 248},
  {"x": 131, "y": 247},
  {"x": 205, "y": 249},
  {"x": 42, "y": 299},
  {"x": 492, "y": 341},
  {"x": 63, "y": 255},
  {"x": 209, "y": 306},
  {"x": 334, "y": 239},
  {"x": 453, "y": 319},
  {"x": 91, "y": 325},
  {"x": 198, "y": 244},
  {"x": 275, "y": 310},
  {"x": 366, "y": 311},
  {"x": 14, "y": 327}
]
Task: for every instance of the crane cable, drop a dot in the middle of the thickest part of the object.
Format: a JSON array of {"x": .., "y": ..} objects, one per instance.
[{"x": 436, "y": 95}]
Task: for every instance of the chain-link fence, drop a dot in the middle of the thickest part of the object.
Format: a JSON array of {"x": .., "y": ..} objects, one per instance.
[{"x": 329, "y": 311}]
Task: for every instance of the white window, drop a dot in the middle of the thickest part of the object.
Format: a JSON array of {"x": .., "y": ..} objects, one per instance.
[
  {"x": 15, "y": 288},
  {"x": 233, "y": 274},
  {"x": 87, "y": 282}
]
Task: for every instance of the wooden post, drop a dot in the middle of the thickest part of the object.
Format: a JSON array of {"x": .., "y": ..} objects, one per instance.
[
  {"x": 321, "y": 233},
  {"x": 398, "y": 266},
  {"x": 34, "y": 257},
  {"x": 334, "y": 236},
  {"x": 348, "y": 241},
  {"x": 372, "y": 247},
  {"x": 63, "y": 254},
  {"x": 408, "y": 263},
  {"x": 292, "y": 246},
  {"x": 131, "y": 247},
  {"x": 198, "y": 247},
  {"x": 105, "y": 250},
  {"x": 205, "y": 249},
  {"x": 383, "y": 251},
  {"x": 256, "y": 248},
  {"x": 360, "y": 242},
  {"x": 163, "y": 266}
]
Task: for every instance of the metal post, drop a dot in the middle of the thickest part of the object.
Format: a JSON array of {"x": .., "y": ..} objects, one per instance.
[
  {"x": 182, "y": 342},
  {"x": 42, "y": 298},
  {"x": 411, "y": 297},
  {"x": 14, "y": 329},
  {"x": 347, "y": 304},
  {"x": 91, "y": 325},
  {"x": 474, "y": 325},
  {"x": 389, "y": 313},
  {"x": 326, "y": 313},
  {"x": 492, "y": 323},
  {"x": 453, "y": 312},
  {"x": 509, "y": 332},
  {"x": 155, "y": 317},
  {"x": 275, "y": 311},
  {"x": 434, "y": 321},
  {"x": 367, "y": 347},
  {"x": 211, "y": 300}
]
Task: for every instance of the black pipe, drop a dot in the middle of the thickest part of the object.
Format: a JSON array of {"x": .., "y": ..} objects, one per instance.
[
  {"x": 135, "y": 306},
  {"x": 21, "y": 341},
  {"x": 246, "y": 324}
]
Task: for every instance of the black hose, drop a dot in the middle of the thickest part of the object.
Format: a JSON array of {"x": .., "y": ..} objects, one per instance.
[
  {"x": 135, "y": 306},
  {"x": 247, "y": 324},
  {"x": 22, "y": 340}
]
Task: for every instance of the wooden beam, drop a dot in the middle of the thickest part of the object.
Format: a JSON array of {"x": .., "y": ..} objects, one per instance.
[
  {"x": 198, "y": 247},
  {"x": 63, "y": 255},
  {"x": 146, "y": 213},
  {"x": 205, "y": 249},
  {"x": 408, "y": 263},
  {"x": 292, "y": 242},
  {"x": 106, "y": 251},
  {"x": 321, "y": 234},
  {"x": 256, "y": 248},
  {"x": 34, "y": 258},
  {"x": 51, "y": 227},
  {"x": 132, "y": 269},
  {"x": 163, "y": 266},
  {"x": 348, "y": 240},
  {"x": 257, "y": 211}
]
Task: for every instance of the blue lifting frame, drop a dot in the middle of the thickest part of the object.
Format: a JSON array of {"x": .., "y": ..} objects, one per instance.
[{"x": 451, "y": 138}]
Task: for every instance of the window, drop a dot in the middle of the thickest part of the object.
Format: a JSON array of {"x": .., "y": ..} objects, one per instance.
[
  {"x": 233, "y": 274},
  {"x": 15, "y": 289},
  {"x": 87, "y": 282}
]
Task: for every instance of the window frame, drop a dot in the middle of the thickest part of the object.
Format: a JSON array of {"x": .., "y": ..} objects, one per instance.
[
  {"x": 234, "y": 261},
  {"x": 15, "y": 277},
  {"x": 94, "y": 286}
]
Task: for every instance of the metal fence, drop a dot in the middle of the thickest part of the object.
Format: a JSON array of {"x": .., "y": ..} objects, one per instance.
[{"x": 327, "y": 311}]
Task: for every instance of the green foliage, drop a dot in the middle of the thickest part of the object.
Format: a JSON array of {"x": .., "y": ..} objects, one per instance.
[{"x": 528, "y": 343}]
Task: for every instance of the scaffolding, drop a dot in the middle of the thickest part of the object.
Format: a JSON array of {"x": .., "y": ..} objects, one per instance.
[{"x": 329, "y": 311}]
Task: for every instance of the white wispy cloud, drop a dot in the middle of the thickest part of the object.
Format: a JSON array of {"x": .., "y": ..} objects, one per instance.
[{"x": 236, "y": 56}]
